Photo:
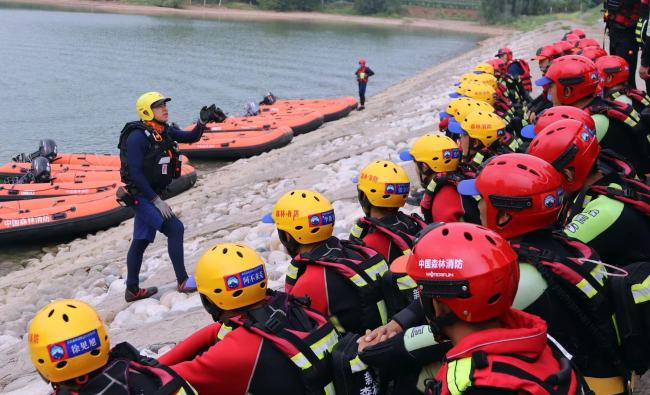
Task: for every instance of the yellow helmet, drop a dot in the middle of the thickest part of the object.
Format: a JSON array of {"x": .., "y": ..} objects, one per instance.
[
  {"x": 231, "y": 276},
  {"x": 306, "y": 215},
  {"x": 475, "y": 90},
  {"x": 438, "y": 151},
  {"x": 385, "y": 184},
  {"x": 487, "y": 79},
  {"x": 480, "y": 125},
  {"x": 144, "y": 103},
  {"x": 459, "y": 108},
  {"x": 67, "y": 339},
  {"x": 484, "y": 68},
  {"x": 468, "y": 77}
]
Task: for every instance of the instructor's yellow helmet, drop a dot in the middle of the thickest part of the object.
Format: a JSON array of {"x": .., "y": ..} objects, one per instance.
[
  {"x": 231, "y": 276},
  {"x": 306, "y": 215},
  {"x": 385, "y": 184},
  {"x": 67, "y": 339},
  {"x": 437, "y": 151},
  {"x": 146, "y": 101}
]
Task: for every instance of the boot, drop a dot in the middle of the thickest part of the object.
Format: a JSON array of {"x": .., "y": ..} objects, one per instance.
[{"x": 140, "y": 293}]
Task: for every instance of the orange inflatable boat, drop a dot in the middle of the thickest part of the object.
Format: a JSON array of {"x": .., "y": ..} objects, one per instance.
[
  {"x": 241, "y": 144},
  {"x": 87, "y": 159},
  {"x": 46, "y": 190},
  {"x": 332, "y": 109},
  {"x": 299, "y": 121},
  {"x": 63, "y": 218}
]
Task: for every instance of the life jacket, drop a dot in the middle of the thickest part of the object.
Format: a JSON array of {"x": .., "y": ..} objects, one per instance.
[
  {"x": 302, "y": 334},
  {"x": 633, "y": 192},
  {"x": 127, "y": 367},
  {"x": 506, "y": 144},
  {"x": 525, "y": 77},
  {"x": 162, "y": 163},
  {"x": 362, "y": 76},
  {"x": 581, "y": 286},
  {"x": 615, "y": 110},
  {"x": 639, "y": 98},
  {"x": 631, "y": 296},
  {"x": 361, "y": 266},
  {"x": 548, "y": 372},
  {"x": 623, "y": 12},
  {"x": 610, "y": 162},
  {"x": 437, "y": 182}
]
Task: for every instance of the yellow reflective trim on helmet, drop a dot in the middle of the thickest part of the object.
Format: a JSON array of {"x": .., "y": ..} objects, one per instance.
[
  {"x": 641, "y": 292},
  {"x": 356, "y": 231},
  {"x": 377, "y": 270},
  {"x": 357, "y": 365},
  {"x": 383, "y": 312},
  {"x": 292, "y": 272},
  {"x": 223, "y": 331},
  {"x": 406, "y": 282},
  {"x": 301, "y": 361},
  {"x": 459, "y": 376},
  {"x": 586, "y": 288}
]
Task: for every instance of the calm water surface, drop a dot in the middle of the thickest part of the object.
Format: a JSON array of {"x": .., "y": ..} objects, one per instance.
[{"x": 75, "y": 76}]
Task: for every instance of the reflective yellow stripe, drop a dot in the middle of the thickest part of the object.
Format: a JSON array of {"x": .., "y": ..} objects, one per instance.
[
  {"x": 432, "y": 186},
  {"x": 458, "y": 376},
  {"x": 406, "y": 251},
  {"x": 641, "y": 292},
  {"x": 183, "y": 392},
  {"x": 478, "y": 158},
  {"x": 599, "y": 275},
  {"x": 300, "y": 361},
  {"x": 586, "y": 288},
  {"x": 356, "y": 231},
  {"x": 618, "y": 335},
  {"x": 377, "y": 270},
  {"x": 329, "y": 389},
  {"x": 358, "y": 281},
  {"x": 337, "y": 324},
  {"x": 326, "y": 344},
  {"x": 292, "y": 272},
  {"x": 514, "y": 145},
  {"x": 383, "y": 312},
  {"x": 223, "y": 331},
  {"x": 630, "y": 122},
  {"x": 405, "y": 282},
  {"x": 357, "y": 365}
]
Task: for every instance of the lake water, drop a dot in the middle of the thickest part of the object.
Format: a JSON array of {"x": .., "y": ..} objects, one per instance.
[{"x": 75, "y": 76}]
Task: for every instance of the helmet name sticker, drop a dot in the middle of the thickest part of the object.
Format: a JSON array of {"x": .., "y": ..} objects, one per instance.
[
  {"x": 321, "y": 219},
  {"x": 245, "y": 279},
  {"x": 397, "y": 189},
  {"x": 450, "y": 264},
  {"x": 287, "y": 213},
  {"x": 74, "y": 347}
]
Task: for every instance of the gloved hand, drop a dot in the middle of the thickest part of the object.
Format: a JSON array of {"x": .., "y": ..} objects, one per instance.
[
  {"x": 640, "y": 31},
  {"x": 163, "y": 207},
  {"x": 211, "y": 114}
]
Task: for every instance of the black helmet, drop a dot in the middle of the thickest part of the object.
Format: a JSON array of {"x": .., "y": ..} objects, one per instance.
[
  {"x": 47, "y": 148},
  {"x": 41, "y": 169}
]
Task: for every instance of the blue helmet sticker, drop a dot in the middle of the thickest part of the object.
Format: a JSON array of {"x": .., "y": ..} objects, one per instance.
[
  {"x": 74, "y": 347},
  {"x": 549, "y": 201},
  {"x": 246, "y": 278},
  {"x": 321, "y": 219}
]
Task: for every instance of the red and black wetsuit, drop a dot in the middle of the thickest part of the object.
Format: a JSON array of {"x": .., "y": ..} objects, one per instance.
[{"x": 442, "y": 202}]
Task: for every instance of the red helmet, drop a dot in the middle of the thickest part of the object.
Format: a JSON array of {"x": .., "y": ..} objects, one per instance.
[
  {"x": 578, "y": 32},
  {"x": 549, "y": 52},
  {"x": 559, "y": 113},
  {"x": 588, "y": 42},
  {"x": 574, "y": 76},
  {"x": 525, "y": 187},
  {"x": 567, "y": 144},
  {"x": 362, "y": 61},
  {"x": 470, "y": 269},
  {"x": 593, "y": 52},
  {"x": 498, "y": 64},
  {"x": 571, "y": 38},
  {"x": 613, "y": 69},
  {"x": 505, "y": 51},
  {"x": 564, "y": 47}
]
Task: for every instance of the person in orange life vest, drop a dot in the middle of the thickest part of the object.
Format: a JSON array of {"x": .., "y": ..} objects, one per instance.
[
  {"x": 340, "y": 277},
  {"x": 363, "y": 73},
  {"x": 625, "y": 21},
  {"x": 437, "y": 162},
  {"x": 468, "y": 278},
  {"x": 614, "y": 70},
  {"x": 259, "y": 341},
  {"x": 574, "y": 80},
  {"x": 382, "y": 189},
  {"x": 69, "y": 347},
  {"x": 593, "y": 212}
]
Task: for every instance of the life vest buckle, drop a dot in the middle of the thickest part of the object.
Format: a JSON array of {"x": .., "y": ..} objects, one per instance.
[{"x": 276, "y": 321}]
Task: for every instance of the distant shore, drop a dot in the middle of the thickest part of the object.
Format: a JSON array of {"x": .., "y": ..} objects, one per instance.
[{"x": 199, "y": 12}]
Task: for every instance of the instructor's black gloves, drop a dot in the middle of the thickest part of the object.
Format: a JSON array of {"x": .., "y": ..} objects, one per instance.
[{"x": 211, "y": 114}]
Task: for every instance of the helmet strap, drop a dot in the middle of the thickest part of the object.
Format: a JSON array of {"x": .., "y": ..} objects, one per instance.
[
  {"x": 292, "y": 246},
  {"x": 437, "y": 323}
]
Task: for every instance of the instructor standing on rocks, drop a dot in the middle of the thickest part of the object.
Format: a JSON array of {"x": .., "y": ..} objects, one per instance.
[
  {"x": 363, "y": 73},
  {"x": 149, "y": 161}
]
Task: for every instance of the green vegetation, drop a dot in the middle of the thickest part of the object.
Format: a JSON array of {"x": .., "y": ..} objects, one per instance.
[
  {"x": 509, "y": 11},
  {"x": 160, "y": 3},
  {"x": 530, "y": 22}
]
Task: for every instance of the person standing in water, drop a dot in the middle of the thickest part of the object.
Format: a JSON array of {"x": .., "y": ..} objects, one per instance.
[{"x": 363, "y": 73}]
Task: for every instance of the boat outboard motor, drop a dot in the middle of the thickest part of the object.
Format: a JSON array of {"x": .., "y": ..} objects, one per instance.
[
  {"x": 41, "y": 170},
  {"x": 48, "y": 149},
  {"x": 268, "y": 99},
  {"x": 251, "y": 109}
]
